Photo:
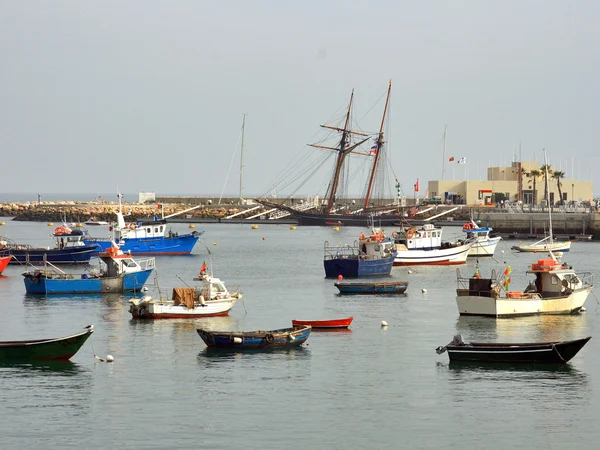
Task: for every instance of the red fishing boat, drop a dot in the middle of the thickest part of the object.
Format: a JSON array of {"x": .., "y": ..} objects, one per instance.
[
  {"x": 4, "y": 260},
  {"x": 324, "y": 324}
]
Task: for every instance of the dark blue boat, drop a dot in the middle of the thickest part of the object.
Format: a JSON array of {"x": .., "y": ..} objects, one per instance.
[
  {"x": 70, "y": 249},
  {"x": 284, "y": 337},
  {"x": 375, "y": 287},
  {"x": 370, "y": 256}
]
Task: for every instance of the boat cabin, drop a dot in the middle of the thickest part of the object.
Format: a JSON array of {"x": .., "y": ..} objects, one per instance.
[
  {"x": 65, "y": 237},
  {"x": 119, "y": 263},
  {"x": 553, "y": 279},
  {"x": 426, "y": 237}
]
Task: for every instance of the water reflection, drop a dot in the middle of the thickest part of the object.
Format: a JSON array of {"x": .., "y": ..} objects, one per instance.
[
  {"x": 543, "y": 328},
  {"x": 25, "y": 368},
  {"x": 296, "y": 352}
]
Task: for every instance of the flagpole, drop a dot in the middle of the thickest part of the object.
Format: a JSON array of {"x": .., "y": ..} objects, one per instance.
[{"x": 444, "y": 154}]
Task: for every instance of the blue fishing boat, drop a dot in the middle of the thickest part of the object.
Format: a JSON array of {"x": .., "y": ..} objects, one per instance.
[
  {"x": 121, "y": 273},
  {"x": 375, "y": 287},
  {"x": 369, "y": 256},
  {"x": 284, "y": 337},
  {"x": 70, "y": 249},
  {"x": 150, "y": 237}
]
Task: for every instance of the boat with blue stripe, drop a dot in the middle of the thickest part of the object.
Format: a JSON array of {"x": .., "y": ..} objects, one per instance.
[
  {"x": 149, "y": 237},
  {"x": 121, "y": 273},
  {"x": 484, "y": 244}
]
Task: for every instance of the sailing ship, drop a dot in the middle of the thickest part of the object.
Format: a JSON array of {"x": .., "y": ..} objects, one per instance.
[{"x": 329, "y": 209}]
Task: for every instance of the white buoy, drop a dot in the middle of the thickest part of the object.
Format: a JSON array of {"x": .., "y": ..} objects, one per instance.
[
  {"x": 383, "y": 324},
  {"x": 109, "y": 358},
  {"x": 409, "y": 271},
  {"x": 237, "y": 340},
  {"x": 583, "y": 309},
  {"x": 501, "y": 251},
  {"x": 424, "y": 291},
  {"x": 145, "y": 289}
]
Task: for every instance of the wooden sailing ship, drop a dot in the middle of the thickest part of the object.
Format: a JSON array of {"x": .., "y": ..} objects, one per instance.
[{"x": 385, "y": 212}]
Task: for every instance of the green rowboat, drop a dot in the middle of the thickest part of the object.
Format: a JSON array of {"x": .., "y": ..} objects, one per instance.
[{"x": 45, "y": 349}]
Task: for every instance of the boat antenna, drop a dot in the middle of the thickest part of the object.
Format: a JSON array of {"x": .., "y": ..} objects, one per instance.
[{"x": 549, "y": 207}]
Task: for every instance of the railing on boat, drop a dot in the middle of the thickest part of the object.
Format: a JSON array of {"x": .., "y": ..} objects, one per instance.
[{"x": 345, "y": 251}]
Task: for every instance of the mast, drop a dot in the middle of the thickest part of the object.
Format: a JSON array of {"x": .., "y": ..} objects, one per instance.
[
  {"x": 380, "y": 143},
  {"x": 444, "y": 153},
  {"x": 548, "y": 200},
  {"x": 242, "y": 158},
  {"x": 340, "y": 159}
]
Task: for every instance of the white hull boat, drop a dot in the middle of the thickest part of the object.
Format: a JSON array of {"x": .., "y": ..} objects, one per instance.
[
  {"x": 557, "y": 289},
  {"x": 484, "y": 244},
  {"x": 424, "y": 246},
  {"x": 543, "y": 246}
]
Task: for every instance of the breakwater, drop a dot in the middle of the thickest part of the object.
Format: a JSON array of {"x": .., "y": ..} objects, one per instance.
[{"x": 570, "y": 224}]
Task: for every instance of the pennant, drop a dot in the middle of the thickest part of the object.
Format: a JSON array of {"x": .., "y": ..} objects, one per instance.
[{"x": 507, "y": 271}]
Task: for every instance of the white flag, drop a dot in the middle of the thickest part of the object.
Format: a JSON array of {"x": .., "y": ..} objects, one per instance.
[{"x": 462, "y": 161}]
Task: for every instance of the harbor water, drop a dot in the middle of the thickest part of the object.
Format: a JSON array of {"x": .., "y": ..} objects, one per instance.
[{"x": 366, "y": 388}]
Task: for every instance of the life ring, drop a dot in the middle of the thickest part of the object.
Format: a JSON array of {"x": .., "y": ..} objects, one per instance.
[
  {"x": 362, "y": 236},
  {"x": 269, "y": 338},
  {"x": 468, "y": 226},
  {"x": 410, "y": 234},
  {"x": 60, "y": 231},
  {"x": 395, "y": 234}
]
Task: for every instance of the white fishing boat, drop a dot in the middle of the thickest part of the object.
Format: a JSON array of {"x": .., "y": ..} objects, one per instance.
[
  {"x": 424, "y": 246},
  {"x": 210, "y": 299},
  {"x": 484, "y": 244},
  {"x": 543, "y": 245},
  {"x": 556, "y": 289}
]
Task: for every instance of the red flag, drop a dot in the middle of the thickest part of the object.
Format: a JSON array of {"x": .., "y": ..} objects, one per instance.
[
  {"x": 417, "y": 186},
  {"x": 203, "y": 268},
  {"x": 451, "y": 158},
  {"x": 159, "y": 206}
]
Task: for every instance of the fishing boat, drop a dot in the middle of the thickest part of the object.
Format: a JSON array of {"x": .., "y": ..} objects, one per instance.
[
  {"x": 119, "y": 273},
  {"x": 44, "y": 349},
  {"x": 375, "y": 287},
  {"x": 69, "y": 249},
  {"x": 210, "y": 299},
  {"x": 484, "y": 245},
  {"x": 371, "y": 255},
  {"x": 424, "y": 246},
  {"x": 147, "y": 237},
  {"x": 559, "y": 352},
  {"x": 543, "y": 245},
  {"x": 241, "y": 340},
  {"x": 4, "y": 260},
  {"x": 324, "y": 324},
  {"x": 333, "y": 208},
  {"x": 556, "y": 289}
]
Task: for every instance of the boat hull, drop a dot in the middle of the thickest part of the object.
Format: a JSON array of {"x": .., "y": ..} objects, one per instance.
[
  {"x": 390, "y": 287},
  {"x": 435, "y": 257},
  {"x": 127, "y": 283},
  {"x": 484, "y": 247},
  {"x": 4, "y": 260},
  {"x": 529, "y": 305},
  {"x": 243, "y": 340},
  {"x": 356, "y": 267},
  {"x": 44, "y": 349},
  {"x": 534, "y": 248},
  {"x": 67, "y": 255},
  {"x": 176, "y": 245},
  {"x": 542, "y": 353},
  {"x": 167, "y": 309},
  {"x": 323, "y": 324}
]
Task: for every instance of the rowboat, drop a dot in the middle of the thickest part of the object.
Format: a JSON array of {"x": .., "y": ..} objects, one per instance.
[
  {"x": 260, "y": 339},
  {"x": 323, "y": 324},
  {"x": 4, "y": 260},
  {"x": 375, "y": 287},
  {"x": 44, "y": 349},
  {"x": 559, "y": 352}
]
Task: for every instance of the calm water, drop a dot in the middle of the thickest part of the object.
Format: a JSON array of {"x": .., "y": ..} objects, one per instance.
[{"x": 367, "y": 388}]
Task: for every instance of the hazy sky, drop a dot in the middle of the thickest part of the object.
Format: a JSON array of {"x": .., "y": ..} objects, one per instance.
[{"x": 149, "y": 95}]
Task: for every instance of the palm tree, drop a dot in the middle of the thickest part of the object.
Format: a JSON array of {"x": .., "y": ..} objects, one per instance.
[
  {"x": 521, "y": 174},
  {"x": 557, "y": 175},
  {"x": 535, "y": 174},
  {"x": 546, "y": 170}
]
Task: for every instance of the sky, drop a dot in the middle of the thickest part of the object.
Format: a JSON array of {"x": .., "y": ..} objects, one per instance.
[{"x": 149, "y": 95}]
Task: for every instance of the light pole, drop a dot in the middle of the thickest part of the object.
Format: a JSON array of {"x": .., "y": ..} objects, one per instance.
[{"x": 573, "y": 192}]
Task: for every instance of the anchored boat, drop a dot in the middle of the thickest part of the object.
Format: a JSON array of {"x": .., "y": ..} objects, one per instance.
[{"x": 281, "y": 338}]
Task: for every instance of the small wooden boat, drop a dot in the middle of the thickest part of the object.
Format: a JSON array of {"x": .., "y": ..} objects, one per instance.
[
  {"x": 4, "y": 260},
  {"x": 284, "y": 337},
  {"x": 323, "y": 324},
  {"x": 543, "y": 352},
  {"x": 44, "y": 349},
  {"x": 374, "y": 287}
]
